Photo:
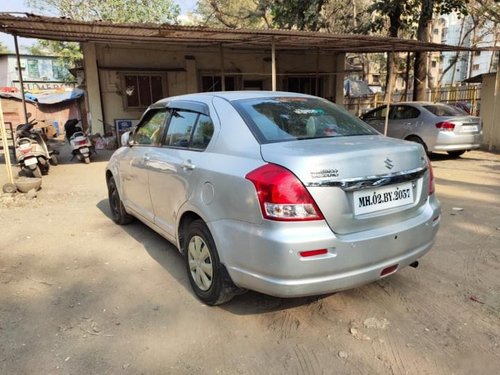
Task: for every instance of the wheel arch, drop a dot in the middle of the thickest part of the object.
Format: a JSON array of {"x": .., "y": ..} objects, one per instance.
[
  {"x": 185, "y": 220},
  {"x": 418, "y": 139}
]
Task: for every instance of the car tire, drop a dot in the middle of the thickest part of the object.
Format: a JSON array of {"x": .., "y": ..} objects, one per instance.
[
  {"x": 207, "y": 276},
  {"x": 118, "y": 213},
  {"x": 456, "y": 154},
  {"x": 414, "y": 138}
]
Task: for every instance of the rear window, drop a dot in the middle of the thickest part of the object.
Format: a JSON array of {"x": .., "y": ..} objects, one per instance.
[
  {"x": 290, "y": 118},
  {"x": 443, "y": 110}
]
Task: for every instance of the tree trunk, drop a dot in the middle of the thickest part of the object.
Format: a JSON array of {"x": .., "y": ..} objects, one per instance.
[
  {"x": 423, "y": 35},
  {"x": 407, "y": 76},
  {"x": 395, "y": 25}
]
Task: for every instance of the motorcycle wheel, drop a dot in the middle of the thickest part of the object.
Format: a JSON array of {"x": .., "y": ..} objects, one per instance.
[
  {"x": 87, "y": 160},
  {"x": 36, "y": 172},
  {"x": 53, "y": 160}
]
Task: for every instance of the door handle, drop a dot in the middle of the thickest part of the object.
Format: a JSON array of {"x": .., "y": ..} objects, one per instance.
[{"x": 188, "y": 165}]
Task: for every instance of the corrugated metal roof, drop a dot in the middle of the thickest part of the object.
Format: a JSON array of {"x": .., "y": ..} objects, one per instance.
[{"x": 53, "y": 28}]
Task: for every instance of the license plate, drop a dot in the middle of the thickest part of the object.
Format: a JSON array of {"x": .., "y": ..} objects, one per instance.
[
  {"x": 470, "y": 128},
  {"x": 84, "y": 150},
  {"x": 30, "y": 161},
  {"x": 372, "y": 200}
]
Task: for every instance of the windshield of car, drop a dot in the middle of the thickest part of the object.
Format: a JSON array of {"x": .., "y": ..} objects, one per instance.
[
  {"x": 281, "y": 119},
  {"x": 443, "y": 110}
]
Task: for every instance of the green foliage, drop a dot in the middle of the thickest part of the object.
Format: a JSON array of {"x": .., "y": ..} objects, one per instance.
[
  {"x": 156, "y": 11},
  {"x": 235, "y": 14},
  {"x": 404, "y": 16},
  {"x": 298, "y": 14}
]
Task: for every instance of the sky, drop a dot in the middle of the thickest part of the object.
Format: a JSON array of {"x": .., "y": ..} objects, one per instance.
[{"x": 18, "y": 6}]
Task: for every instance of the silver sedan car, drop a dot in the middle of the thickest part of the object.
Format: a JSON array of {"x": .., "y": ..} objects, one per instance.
[
  {"x": 436, "y": 126},
  {"x": 282, "y": 193}
]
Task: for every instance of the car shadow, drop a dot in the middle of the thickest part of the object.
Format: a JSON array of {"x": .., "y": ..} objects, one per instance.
[{"x": 168, "y": 257}]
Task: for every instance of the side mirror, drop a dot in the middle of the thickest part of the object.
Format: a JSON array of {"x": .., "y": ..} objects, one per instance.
[{"x": 125, "y": 139}]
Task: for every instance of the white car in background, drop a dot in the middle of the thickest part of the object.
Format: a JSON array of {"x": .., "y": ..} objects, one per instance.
[{"x": 436, "y": 126}]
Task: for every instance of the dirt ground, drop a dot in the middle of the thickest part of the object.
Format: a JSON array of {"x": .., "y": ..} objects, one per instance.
[{"x": 81, "y": 295}]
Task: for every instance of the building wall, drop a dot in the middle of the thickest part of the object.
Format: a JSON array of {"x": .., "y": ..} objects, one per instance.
[
  {"x": 181, "y": 69},
  {"x": 39, "y": 72},
  {"x": 4, "y": 75},
  {"x": 490, "y": 111}
]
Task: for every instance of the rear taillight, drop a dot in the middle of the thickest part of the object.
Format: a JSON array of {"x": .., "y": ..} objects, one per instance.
[
  {"x": 445, "y": 126},
  {"x": 282, "y": 196},
  {"x": 431, "y": 178},
  {"x": 81, "y": 143}
]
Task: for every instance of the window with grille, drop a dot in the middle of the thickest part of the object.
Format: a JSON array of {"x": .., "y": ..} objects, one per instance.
[{"x": 141, "y": 90}]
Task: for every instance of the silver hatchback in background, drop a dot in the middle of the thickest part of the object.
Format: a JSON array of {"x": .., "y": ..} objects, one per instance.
[
  {"x": 436, "y": 126},
  {"x": 282, "y": 193}
]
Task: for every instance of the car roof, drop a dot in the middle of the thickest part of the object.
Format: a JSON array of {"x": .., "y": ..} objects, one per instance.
[{"x": 229, "y": 95}]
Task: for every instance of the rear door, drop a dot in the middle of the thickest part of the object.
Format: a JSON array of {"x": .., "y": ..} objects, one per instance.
[
  {"x": 174, "y": 169},
  {"x": 403, "y": 121}
]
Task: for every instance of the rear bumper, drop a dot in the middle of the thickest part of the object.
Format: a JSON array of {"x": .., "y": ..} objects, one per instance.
[
  {"x": 266, "y": 257},
  {"x": 456, "y": 142}
]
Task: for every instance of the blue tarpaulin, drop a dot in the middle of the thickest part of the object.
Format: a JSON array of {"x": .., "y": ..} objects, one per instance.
[
  {"x": 55, "y": 98},
  {"x": 46, "y": 98}
]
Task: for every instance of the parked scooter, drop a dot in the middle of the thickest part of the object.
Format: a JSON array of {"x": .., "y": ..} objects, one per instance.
[
  {"x": 81, "y": 147},
  {"x": 32, "y": 153}
]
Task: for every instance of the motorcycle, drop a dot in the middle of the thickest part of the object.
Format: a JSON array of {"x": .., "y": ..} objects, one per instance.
[
  {"x": 80, "y": 143},
  {"x": 32, "y": 153}
]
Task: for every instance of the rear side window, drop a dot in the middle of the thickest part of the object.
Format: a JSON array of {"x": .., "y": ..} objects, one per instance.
[
  {"x": 377, "y": 114},
  {"x": 404, "y": 112},
  {"x": 203, "y": 133},
  {"x": 180, "y": 128},
  {"x": 282, "y": 119},
  {"x": 189, "y": 130},
  {"x": 443, "y": 110}
]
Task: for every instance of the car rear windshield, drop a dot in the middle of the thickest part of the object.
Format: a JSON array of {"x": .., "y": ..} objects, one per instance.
[
  {"x": 444, "y": 110},
  {"x": 279, "y": 119}
]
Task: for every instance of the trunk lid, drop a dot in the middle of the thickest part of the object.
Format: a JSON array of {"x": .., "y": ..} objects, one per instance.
[
  {"x": 345, "y": 176},
  {"x": 464, "y": 124}
]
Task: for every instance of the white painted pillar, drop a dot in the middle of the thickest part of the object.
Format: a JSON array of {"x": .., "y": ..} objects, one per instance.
[
  {"x": 496, "y": 108},
  {"x": 93, "y": 90}
]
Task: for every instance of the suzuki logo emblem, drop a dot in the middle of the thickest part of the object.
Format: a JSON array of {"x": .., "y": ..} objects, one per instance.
[{"x": 388, "y": 163}]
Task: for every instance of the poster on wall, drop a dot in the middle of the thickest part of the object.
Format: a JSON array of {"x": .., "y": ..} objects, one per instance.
[{"x": 122, "y": 126}]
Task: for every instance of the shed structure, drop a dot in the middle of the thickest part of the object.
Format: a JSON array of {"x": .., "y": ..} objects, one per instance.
[{"x": 129, "y": 66}]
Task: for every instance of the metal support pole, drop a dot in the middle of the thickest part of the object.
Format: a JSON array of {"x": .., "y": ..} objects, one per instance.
[
  {"x": 5, "y": 145},
  {"x": 273, "y": 65},
  {"x": 222, "y": 73},
  {"x": 21, "y": 79}
]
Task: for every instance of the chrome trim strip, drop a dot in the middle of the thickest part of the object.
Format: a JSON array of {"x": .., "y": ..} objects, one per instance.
[{"x": 360, "y": 183}]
